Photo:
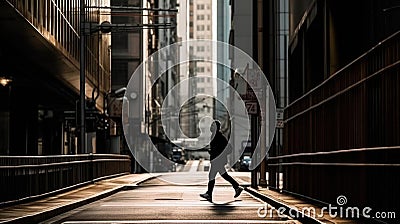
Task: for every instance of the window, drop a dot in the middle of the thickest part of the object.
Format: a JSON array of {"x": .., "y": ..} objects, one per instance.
[
  {"x": 200, "y": 17},
  {"x": 119, "y": 2},
  {"x": 200, "y": 27},
  {"x": 119, "y": 72},
  {"x": 200, "y": 6},
  {"x": 200, "y": 48},
  {"x": 200, "y": 69},
  {"x": 120, "y": 41}
]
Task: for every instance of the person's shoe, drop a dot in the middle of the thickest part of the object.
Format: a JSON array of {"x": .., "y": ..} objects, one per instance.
[
  {"x": 238, "y": 191},
  {"x": 206, "y": 196}
]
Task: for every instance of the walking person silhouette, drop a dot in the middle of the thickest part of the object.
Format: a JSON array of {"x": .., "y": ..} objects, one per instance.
[{"x": 218, "y": 158}]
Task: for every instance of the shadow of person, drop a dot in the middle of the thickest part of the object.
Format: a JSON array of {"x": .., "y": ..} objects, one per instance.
[
  {"x": 228, "y": 203},
  {"x": 224, "y": 208}
]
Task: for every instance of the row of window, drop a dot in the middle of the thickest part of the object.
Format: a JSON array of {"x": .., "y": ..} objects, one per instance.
[
  {"x": 202, "y": 27},
  {"x": 202, "y": 70},
  {"x": 202, "y": 17},
  {"x": 203, "y": 79},
  {"x": 202, "y": 6}
]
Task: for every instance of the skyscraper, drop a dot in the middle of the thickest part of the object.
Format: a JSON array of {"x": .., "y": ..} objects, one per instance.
[{"x": 201, "y": 71}]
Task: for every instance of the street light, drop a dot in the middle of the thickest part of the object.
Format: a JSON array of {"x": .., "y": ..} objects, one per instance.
[
  {"x": 121, "y": 90},
  {"x": 5, "y": 81},
  {"x": 116, "y": 93}
]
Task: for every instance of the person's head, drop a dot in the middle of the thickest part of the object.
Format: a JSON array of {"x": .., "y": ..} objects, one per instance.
[{"x": 215, "y": 126}]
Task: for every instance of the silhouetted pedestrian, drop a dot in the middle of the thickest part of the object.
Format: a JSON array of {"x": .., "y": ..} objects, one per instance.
[{"x": 218, "y": 157}]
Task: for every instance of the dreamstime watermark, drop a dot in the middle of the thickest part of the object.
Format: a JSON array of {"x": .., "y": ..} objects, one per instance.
[
  {"x": 158, "y": 109},
  {"x": 333, "y": 211}
]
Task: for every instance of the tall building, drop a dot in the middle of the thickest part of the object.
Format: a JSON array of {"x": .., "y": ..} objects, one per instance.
[
  {"x": 39, "y": 95},
  {"x": 126, "y": 55},
  {"x": 163, "y": 39},
  {"x": 147, "y": 91},
  {"x": 200, "y": 26},
  {"x": 126, "y": 45},
  {"x": 223, "y": 17},
  {"x": 40, "y": 59},
  {"x": 341, "y": 130},
  {"x": 272, "y": 39},
  {"x": 241, "y": 36}
]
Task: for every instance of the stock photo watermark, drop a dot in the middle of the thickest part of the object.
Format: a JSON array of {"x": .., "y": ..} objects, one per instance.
[
  {"x": 195, "y": 101},
  {"x": 333, "y": 211}
]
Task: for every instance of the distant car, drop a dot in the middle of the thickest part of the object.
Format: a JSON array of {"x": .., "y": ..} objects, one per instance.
[
  {"x": 178, "y": 155},
  {"x": 245, "y": 163}
]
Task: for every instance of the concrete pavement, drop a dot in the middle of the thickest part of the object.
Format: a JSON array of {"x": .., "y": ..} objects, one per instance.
[
  {"x": 158, "y": 201},
  {"x": 38, "y": 210},
  {"x": 302, "y": 210},
  {"x": 160, "y": 193}
]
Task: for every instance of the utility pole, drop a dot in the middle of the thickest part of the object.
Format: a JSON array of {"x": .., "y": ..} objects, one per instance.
[{"x": 82, "y": 77}]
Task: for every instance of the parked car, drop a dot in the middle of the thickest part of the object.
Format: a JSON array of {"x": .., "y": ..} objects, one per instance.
[{"x": 178, "y": 155}]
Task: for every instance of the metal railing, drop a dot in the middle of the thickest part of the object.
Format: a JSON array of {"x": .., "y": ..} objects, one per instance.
[
  {"x": 342, "y": 137},
  {"x": 24, "y": 177}
]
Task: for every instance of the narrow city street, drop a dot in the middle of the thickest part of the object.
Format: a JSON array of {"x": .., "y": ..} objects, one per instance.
[
  {"x": 112, "y": 111},
  {"x": 159, "y": 200}
]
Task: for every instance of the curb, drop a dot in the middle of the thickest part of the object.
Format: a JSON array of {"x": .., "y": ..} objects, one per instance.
[
  {"x": 52, "y": 193},
  {"x": 39, "y": 217},
  {"x": 289, "y": 211}
]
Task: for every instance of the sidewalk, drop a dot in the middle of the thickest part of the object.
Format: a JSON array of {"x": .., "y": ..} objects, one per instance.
[
  {"x": 42, "y": 209},
  {"x": 288, "y": 202}
]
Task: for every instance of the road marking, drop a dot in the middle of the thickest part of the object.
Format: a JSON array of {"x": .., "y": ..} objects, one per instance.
[
  {"x": 176, "y": 221},
  {"x": 194, "y": 166}
]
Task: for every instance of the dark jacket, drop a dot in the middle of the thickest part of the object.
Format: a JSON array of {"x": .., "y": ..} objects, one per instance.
[{"x": 217, "y": 145}]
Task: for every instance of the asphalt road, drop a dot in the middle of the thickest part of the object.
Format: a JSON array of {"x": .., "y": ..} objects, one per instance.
[{"x": 162, "y": 200}]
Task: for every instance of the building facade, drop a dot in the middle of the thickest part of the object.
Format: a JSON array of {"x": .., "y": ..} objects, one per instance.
[
  {"x": 39, "y": 95},
  {"x": 340, "y": 134},
  {"x": 260, "y": 28},
  {"x": 197, "y": 22},
  {"x": 40, "y": 56},
  {"x": 147, "y": 90},
  {"x": 126, "y": 55}
]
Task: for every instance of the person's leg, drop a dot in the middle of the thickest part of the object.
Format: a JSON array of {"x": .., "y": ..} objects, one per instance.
[
  {"x": 211, "y": 178},
  {"x": 211, "y": 183},
  {"x": 233, "y": 182},
  {"x": 228, "y": 178}
]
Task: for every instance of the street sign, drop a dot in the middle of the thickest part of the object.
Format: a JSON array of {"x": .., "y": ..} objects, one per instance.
[
  {"x": 69, "y": 115},
  {"x": 249, "y": 96},
  {"x": 90, "y": 114},
  {"x": 251, "y": 107},
  {"x": 279, "y": 113},
  {"x": 280, "y": 124}
]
